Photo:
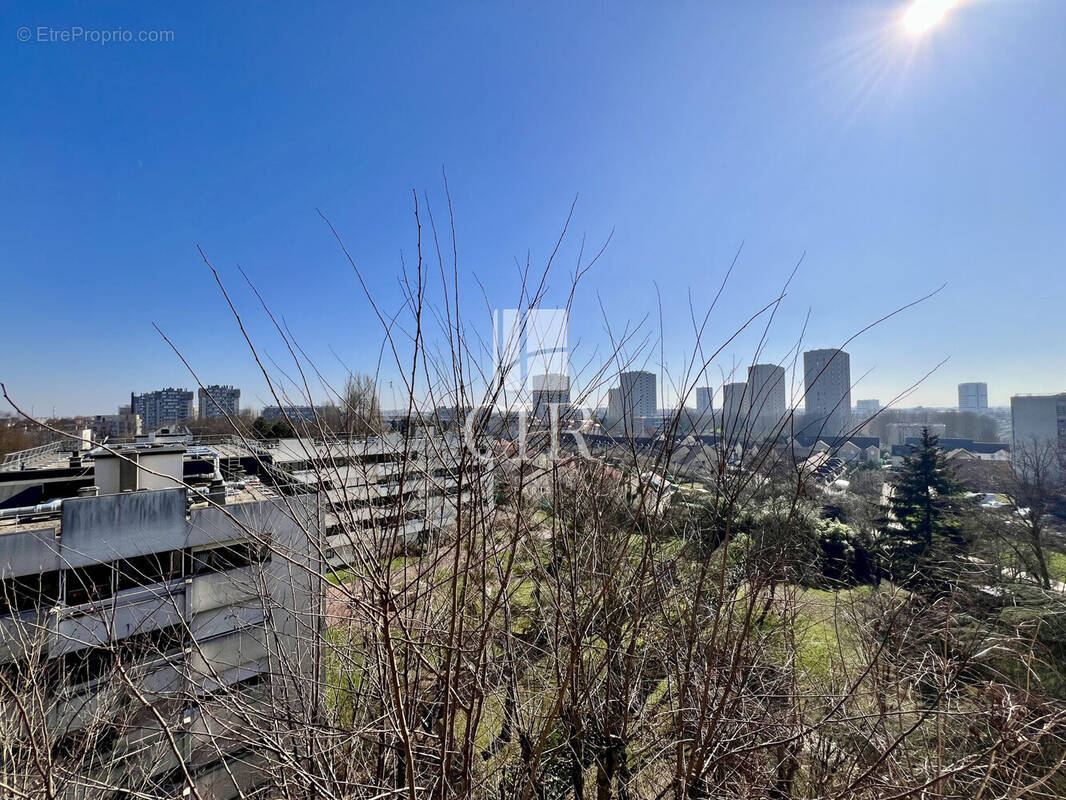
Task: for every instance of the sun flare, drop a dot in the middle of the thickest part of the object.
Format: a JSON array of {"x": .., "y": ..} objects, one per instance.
[{"x": 924, "y": 15}]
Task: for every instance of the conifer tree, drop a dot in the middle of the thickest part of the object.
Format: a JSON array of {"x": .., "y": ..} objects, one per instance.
[{"x": 924, "y": 495}]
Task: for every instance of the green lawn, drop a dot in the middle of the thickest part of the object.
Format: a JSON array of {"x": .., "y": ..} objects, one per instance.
[{"x": 1056, "y": 565}]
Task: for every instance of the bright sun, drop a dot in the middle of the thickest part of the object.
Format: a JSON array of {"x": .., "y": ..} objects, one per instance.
[{"x": 924, "y": 15}]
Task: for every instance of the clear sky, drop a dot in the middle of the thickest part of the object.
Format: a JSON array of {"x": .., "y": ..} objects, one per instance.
[{"x": 894, "y": 163}]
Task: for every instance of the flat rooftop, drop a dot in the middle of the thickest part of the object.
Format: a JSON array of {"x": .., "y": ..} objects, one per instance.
[{"x": 252, "y": 490}]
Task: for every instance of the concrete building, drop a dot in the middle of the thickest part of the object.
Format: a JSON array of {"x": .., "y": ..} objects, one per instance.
[
  {"x": 704, "y": 402},
  {"x": 369, "y": 488},
  {"x": 632, "y": 405},
  {"x": 207, "y": 599},
  {"x": 219, "y": 401},
  {"x": 827, "y": 391},
  {"x": 145, "y": 613},
  {"x": 162, "y": 407},
  {"x": 549, "y": 391},
  {"x": 900, "y": 432},
  {"x": 864, "y": 409},
  {"x": 734, "y": 411},
  {"x": 614, "y": 404},
  {"x": 295, "y": 413},
  {"x": 116, "y": 426},
  {"x": 638, "y": 393},
  {"x": 766, "y": 398},
  {"x": 973, "y": 397},
  {"x": 1037, "y": 422}
]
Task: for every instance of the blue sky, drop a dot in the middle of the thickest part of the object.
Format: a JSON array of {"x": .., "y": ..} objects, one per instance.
[{"x": 895, "y": 165}]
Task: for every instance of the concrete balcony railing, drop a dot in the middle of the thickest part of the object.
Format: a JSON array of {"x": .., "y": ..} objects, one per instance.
[
  {"x": 219, "y": 589},
  {"x": 108, "y": 696},
  {"x": 214, "y": 658},
  {"x": 129, "y": 612}
]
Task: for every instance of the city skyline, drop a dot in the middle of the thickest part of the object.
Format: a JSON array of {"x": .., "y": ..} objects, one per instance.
[{"x": 797, "y": 397}]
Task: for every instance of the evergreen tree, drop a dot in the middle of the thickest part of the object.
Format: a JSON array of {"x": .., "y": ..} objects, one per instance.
[
  {"x": 261, "y": 428},
  {"x": 924, "y": 497}
]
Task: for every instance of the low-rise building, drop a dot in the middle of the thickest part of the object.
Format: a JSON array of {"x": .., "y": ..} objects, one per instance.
[
  {"x": 294, "y": 413},
  {"x": 900, "y": 432},
  {"x": 116, "y": 426},
  {"x": 956, "y": 449},
  {"x": 397, "y": 489}
]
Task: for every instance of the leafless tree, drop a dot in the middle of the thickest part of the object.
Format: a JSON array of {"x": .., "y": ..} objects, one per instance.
[
  {"x": 1032, "y": 493},
  {"x": 635, "y": 621}
]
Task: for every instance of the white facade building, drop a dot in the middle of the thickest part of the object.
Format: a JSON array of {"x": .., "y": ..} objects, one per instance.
[
  {"x": 638, "y": 393},
  {"x": 385, "y": 488},
  {"x": 973, "y": 397}
]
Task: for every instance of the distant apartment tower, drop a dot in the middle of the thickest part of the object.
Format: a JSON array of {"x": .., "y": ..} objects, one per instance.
[
  {"x": 973, "y": 397},
  {"x": 551, "y": 390},
  {"x": 704, "y": 401},
  {"x": 766, "y": 397},
  {"x": 734, "y": 410},
  {"x": 867, "y": 408},
  {"x": 638, "y": 393},
  {"x": 827, "y": 395},
  {"x": 1039, "y": 422},
  {"x": 219, "y": 401},
  {"x": 162, "y": 407},
  {"x": 631, "y": 404}
]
